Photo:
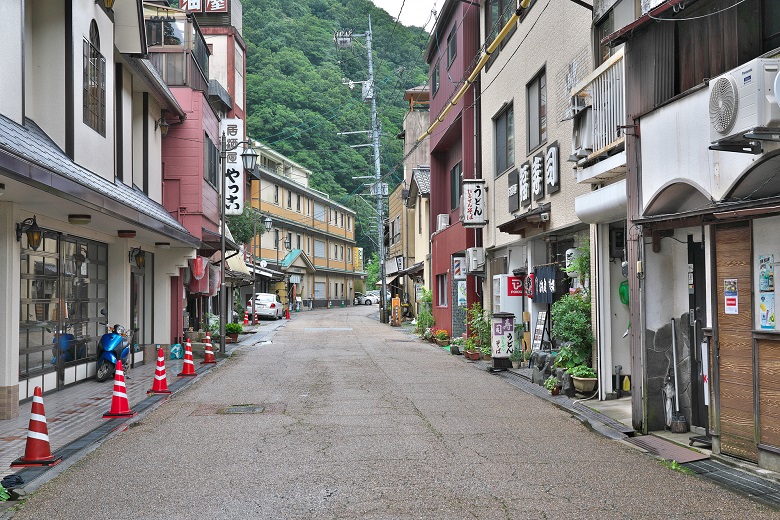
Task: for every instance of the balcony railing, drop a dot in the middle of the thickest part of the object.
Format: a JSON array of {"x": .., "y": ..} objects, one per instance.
[{"x": 603, "y": 92}]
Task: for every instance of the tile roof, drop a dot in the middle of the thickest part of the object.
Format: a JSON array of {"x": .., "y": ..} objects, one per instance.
[
  {"x": 422, "y": 176},
  {"x": 33, "y": 145}
]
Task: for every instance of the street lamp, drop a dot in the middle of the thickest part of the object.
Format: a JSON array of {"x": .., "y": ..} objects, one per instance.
[
  {"x": 249, "y": 158},
  {"x": 268, "y": 223}
]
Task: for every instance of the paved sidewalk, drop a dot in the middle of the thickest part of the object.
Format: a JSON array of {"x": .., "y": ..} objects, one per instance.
[{"x": 74, "y": 415}]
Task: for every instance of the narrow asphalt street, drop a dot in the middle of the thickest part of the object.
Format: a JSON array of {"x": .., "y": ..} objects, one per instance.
[{"x": 354, "y": 419}]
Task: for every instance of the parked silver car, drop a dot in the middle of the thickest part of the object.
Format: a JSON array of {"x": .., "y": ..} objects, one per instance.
[{"x": 267, "y": 306}]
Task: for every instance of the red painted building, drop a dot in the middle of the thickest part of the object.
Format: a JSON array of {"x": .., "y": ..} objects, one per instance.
[{"x": 454, "y": 44}]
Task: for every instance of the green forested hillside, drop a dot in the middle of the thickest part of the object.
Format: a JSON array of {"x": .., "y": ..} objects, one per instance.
[{"x": 296, "y": 102}]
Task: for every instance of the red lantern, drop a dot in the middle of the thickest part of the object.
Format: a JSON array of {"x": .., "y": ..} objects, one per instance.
[{"x": 198, "y": 266}]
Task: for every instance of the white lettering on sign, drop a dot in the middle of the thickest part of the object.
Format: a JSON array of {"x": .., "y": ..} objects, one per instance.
[{"x": 233, "y": 129}]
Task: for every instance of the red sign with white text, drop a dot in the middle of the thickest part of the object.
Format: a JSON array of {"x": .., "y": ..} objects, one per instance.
[{"x": 514, "y": 286}]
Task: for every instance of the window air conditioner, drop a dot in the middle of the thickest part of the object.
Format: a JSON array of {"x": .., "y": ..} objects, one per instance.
[
  {"x": 442, "y": 221},
  {"x": 743, "y": 99},
  {"x": 475, "y": 260}
]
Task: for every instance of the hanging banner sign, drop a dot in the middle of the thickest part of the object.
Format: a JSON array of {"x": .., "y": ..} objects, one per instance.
[
  {"x": 233, "y": 129},
  {"x": 546, "y": 278},
  {"x": 473, "y": 202}
]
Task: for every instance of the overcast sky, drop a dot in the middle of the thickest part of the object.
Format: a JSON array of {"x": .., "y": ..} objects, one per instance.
[{"x": 415, "y": 12}]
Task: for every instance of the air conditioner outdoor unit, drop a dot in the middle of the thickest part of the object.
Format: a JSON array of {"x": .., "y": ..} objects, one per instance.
[
  {"x": 744, "y": 98},
  {"x": 442, "y": 221},
  {"x": 475, "y": 260},
  {"x": 582, "y": 133}
]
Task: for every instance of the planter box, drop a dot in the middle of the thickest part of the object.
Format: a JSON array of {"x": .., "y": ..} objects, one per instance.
[
  {"x": 473, "y": 355},
  {"x": 442, "y": 342},
  {"x": 584, "y": 385}
]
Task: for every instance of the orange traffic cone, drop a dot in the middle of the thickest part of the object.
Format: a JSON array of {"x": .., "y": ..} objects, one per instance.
[
  {"x": 287, "y": 314},
  {"x": 246, "y": 317},
  {"x": 37, "y": 452},
  {"x": 188, "y": 368},
  {"x": 120, "y": 407},
  {"x": 208, "y": 354},
  {"x": 160, "y": 385}
]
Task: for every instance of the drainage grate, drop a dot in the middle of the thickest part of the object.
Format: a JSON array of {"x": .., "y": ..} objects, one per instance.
[
  {"x": 731, "y": 478},
  {"x": 243, "y": 408},
  {"x": 667, "y": 450}
]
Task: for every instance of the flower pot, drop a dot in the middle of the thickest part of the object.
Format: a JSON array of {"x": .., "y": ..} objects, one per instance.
[
  {"x": 233, "y": 337},
  {"x": 555, "y": 391},
  {"x": 487, "y": 357},
  {"x": 584, "y": 384},
  {"x": 442, "y": 342},
  {"x": 516, "y": 364},
  {"x": 473, "y": 355}
]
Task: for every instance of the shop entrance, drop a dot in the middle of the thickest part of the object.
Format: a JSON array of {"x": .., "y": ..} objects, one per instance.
[
  {"x": 734, "y": 288},
  {"x": 696, "y": 317},
  {"x": 63, "y": 288}
]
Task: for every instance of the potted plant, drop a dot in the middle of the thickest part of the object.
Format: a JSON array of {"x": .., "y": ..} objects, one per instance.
[
  {"x": 478, "y": 321},
  {"x": 486, "y": 351},
  {"x": 584, "y": 378},
  {"x": 455, "y": 345},
  {"x": 442, "y": 337},
  {"x": 472, "y": 352},
  {"x": 516, "y": 357},
  {"x": 232, "y": 330},
  {"x": 552, "y": 385}
]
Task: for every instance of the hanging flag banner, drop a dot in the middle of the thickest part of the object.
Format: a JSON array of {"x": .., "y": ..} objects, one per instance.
[
  {"x": 233, "y": 129},
  {"x": 546, "y": 280},
  {"x": 473, "y": 202}
]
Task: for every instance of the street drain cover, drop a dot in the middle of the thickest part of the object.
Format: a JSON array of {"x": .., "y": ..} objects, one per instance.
[{"x": 243, "y": 408}]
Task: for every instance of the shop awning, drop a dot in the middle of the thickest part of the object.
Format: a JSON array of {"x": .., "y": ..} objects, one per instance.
[
  {"x": 419, "y": 267},
  {"x": 539, "y": 217},
  {"x": 604, "y": 205}
]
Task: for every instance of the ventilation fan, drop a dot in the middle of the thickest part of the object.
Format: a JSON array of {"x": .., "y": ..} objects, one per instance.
[{"x": 723, "y": 104}]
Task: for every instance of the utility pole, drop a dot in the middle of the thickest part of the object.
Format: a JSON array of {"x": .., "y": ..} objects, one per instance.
[{"x": 344, "y": 39}]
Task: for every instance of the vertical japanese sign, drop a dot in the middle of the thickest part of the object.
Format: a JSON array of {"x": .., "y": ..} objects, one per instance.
[
  {"x": 525, "y": 184},
  {"x": 705, "y": 372},
  {"x": 731, "y": 298},
  {"x": 537, "y": 176},
  {"x": 473, "y": 202},
  {"x": 552, "y": 170},
  {"x": 234, "y": 168},
  {"x": 502, "y": 337},
  {"x": 513, "y": 190},
  {"x": 359, "y": 259}
]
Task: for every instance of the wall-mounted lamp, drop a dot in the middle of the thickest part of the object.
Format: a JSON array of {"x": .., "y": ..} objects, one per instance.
[
  {"x": 29, "y": 226},
  {"x": 79, "y": 220},
  {"x": 268, "y": 223},
  {"x": 162, "y": 245},
  {"x": 126, "y": 233},
  {"x": 109, "y": 4},
  {"x": 163, "y": 125},
  {"x": 138, "y": 256}
]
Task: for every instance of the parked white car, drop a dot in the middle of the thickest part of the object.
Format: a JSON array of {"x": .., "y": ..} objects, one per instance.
[
  {"x": 267, "y": 306},
  {"x": 366, "y": 299}
]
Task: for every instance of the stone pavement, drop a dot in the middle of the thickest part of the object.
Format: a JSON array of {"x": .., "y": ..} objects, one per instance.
[
  {"x": 77, "y": 410},
  {"x": 94, "y": 398}
]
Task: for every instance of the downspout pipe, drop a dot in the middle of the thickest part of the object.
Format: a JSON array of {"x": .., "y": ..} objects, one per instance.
[{"x": 480, "y": 65}]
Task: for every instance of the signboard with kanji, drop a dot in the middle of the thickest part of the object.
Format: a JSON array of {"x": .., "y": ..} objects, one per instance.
[
  {"x": 513, "y": 190},
  {"x": 473, "y": 202},
  {"x": 535, "y": 177},
  {"x": 502, "y": 337},
  {"x": 514, "y": 286},
  {"x": 552, "y": 170},
  {"x": 233, "y": 130},
  {"x": 525, "y": 184},
  {"x": 216, "y": 6},
  {"x": 546, "y": 280}
]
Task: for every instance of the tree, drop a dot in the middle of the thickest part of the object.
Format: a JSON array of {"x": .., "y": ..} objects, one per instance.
[
  {"x": 372, "y": 272},
  {"x": 242, "y": 226}
]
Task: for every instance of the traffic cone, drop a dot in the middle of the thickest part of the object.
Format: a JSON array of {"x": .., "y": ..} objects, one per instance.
[
  {"x": 208, "y": 354},
  {"x": 188, "y": 368},
  {"x": 37, "y": 452},
  {"x": 160, "y": 385},
  {"x": 287, "y": 314},
  {"x": 120, "y": 407},
  {"x": 246, "y": 317}
]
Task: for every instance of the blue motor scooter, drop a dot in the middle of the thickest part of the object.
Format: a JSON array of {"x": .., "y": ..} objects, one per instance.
[
  {"x": 114, "y": 345},
  {"x": 67, "y": 348}
]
